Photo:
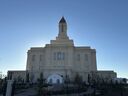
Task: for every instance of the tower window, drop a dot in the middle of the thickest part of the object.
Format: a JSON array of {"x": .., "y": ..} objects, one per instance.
[{"x": 62, "y": 28}]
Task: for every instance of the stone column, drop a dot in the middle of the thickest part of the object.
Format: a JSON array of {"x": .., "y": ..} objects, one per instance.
[{"x": 9, "y": 87}]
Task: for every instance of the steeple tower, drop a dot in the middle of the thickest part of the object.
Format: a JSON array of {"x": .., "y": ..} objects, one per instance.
[
  {"x": 62, "y": 29},
  {"x": 62, "y": 38}
]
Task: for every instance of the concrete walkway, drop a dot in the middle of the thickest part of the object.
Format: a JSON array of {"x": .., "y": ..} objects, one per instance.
[{"x": 26, "y": 92}]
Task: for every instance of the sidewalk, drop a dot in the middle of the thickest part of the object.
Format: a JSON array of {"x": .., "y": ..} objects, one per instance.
[{"x": 27, "y": 92}]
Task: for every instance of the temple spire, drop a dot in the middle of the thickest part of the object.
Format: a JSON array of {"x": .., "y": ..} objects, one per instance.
[
  {"x": 62, "y": 29},
  {"x": 62, "y": 20},
  {"x": 62, "y": 38}
]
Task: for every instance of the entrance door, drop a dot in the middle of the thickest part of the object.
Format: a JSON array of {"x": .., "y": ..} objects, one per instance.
[{"x": 55, "y": 79}]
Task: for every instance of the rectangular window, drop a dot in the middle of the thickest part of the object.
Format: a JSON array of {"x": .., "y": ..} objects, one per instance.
[
  {"x": 33, "y": 57},
  {"x": 58, "y": 55},
  {"x": 63, "y": 56},
  {"x": 86, "y": 57},
  {"x": 78, "y": 57},
  {"x": 40, "y": 57},
  {"x": 54, "y": 56}
]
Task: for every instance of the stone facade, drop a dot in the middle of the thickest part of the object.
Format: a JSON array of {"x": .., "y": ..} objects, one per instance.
[
  {"x": 62, "y": 58},
  {"x": 18, "y": 75}
]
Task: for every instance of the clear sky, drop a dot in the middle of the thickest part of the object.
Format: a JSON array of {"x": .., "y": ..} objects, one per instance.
[{"x": 101, "y": 24}]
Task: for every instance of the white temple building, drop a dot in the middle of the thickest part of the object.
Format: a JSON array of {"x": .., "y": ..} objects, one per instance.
[{"x": 59, "y": 59}]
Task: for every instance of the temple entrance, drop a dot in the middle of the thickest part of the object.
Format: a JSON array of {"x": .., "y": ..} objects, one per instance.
[{"x": 55, "y": 79}]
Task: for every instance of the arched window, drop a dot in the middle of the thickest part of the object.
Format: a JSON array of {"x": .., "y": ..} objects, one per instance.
[
  {"x": 50, "y": 81},
  {"x": 62, "y": 28},
  {"x": 58, "y": 81}
]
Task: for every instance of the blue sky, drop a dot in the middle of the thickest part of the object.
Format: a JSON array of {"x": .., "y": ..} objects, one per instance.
[{"x": 101, "y": 24}]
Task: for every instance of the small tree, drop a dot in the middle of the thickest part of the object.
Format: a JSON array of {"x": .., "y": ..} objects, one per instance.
[
  {"x": 78, "y": 79},
  {"x": 124, "y": 80},
  {"x": 41, "y": 83},
  {"x": 89, "y": 79},
  {"x": 19, "y": 79},
  {"x": 4, "y": 87},
  {"x": 27, "y": 77},
  {"x": 31, "y": 78},
  {"x": 67, "y": 79}
]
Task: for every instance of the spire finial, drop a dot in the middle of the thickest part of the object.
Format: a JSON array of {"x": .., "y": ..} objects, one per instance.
[{"x": 62, "y": 20}]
